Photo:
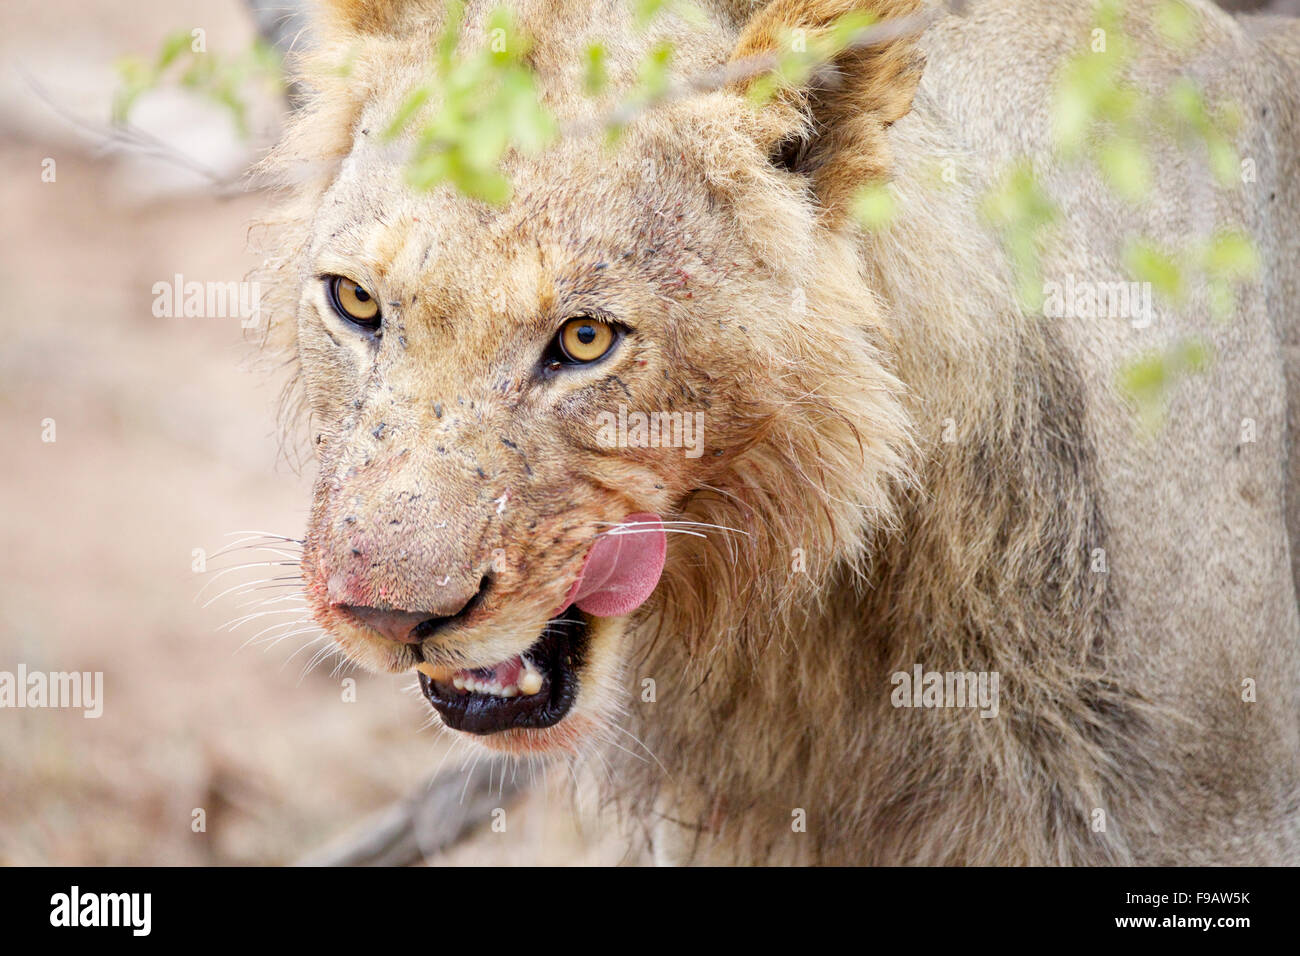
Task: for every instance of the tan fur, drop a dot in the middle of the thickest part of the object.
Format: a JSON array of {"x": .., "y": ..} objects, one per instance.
[
  {"x": 840, "y": 125},
  {"x": 829, "y": 364}
]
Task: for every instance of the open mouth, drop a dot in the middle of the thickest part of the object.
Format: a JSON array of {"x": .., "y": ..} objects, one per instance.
[
  {"x": 537, "y": 688},
  {"x": 531, "y": 690}
]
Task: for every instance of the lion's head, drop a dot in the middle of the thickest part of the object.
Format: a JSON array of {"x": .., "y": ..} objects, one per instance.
[{"x": 475, "y": 374}]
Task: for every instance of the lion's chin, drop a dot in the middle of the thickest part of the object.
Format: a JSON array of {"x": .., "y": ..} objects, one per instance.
[{"x": 565, "y": 737}]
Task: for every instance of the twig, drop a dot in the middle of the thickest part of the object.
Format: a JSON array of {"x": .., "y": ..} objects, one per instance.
[
  {"x": 124, "y": 136},
  {"x": 750, "y": 67},
  {"x": 426, "y": 823}
]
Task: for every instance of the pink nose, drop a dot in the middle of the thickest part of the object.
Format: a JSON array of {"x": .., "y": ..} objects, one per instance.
[
  {"x": 411, "y": 627},
  {"x": 399, "y": 626}
]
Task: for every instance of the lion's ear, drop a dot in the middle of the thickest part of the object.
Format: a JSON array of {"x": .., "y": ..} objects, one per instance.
[{"x": 832, "y": 128}]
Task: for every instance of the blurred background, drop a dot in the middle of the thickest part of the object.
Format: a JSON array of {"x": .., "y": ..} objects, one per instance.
[{"x": 166, "y": 442}]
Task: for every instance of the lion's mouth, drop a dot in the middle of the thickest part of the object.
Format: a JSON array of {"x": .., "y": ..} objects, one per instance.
[{"x": 531, "y": 690}]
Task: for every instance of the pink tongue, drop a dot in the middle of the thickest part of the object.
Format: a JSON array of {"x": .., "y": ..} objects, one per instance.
[{"x": 622, "y": 569}]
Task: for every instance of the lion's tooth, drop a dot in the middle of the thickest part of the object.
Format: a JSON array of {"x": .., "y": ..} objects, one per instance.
[
  {"x": 458, "y": 683},
  {"x": 530, "y": 682}
]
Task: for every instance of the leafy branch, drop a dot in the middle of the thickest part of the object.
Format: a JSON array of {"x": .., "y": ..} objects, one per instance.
[
  {"x": 185, "y": 60},
  {"x": 488, "y": 104}
]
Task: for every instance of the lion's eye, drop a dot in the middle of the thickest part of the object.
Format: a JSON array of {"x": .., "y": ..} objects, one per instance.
[
  {"x": 353, "y": 302},
  {"x": 585, "y": 339}
]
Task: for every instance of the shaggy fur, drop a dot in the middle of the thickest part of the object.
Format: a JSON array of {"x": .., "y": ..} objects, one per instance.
[{"x": 901, "y": 467}]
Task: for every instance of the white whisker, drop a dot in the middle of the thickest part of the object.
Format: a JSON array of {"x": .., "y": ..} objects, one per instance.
[
  {"x": 240, "y": 621},
  {"x": 215, "y": 575},
  {"x": 301, "y": 599},
  {"x": 262, "y": 584},
  {"x": 274, "y": 627}
]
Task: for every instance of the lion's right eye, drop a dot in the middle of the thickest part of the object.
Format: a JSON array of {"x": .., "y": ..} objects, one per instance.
[{"x": 353, "y": 303}]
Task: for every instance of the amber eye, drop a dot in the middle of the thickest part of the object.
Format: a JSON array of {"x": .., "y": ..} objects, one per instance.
[
  {"x": 353, "y": 302},
  {"x": 585, "y": 339}
]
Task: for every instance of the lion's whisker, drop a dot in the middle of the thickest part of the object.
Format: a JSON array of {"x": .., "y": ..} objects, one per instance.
[
  {"x": 246, "y": 587},
  {"x": 300, "y": 599},
  {"x": 274, "y": 627},
  {"x": 215, "y": 575},
  {"x": 641, "y": 744},
  {"x": 284, "y": 637},
  {"x": 267, "y": 534},
  {"x": 254, "y": 543},
  {"x": 237, "y": 622},
  {"x": 617, "y": 533}
]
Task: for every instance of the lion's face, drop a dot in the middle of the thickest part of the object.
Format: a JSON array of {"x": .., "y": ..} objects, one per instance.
[
  {"x": 675, "y": 330},
  {"x": 476, "y": 377}
]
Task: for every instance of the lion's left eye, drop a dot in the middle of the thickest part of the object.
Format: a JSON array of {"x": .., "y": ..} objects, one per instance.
[
  {"x": 585, "y": 339},
  {"x": 353, "y": 303}
]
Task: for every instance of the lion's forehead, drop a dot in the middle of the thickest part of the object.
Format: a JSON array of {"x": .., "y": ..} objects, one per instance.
[{"x": 584, "y": 222}]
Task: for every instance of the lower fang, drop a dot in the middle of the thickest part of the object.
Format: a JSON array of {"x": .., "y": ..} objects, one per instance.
[{"x": 530, "y": 682}]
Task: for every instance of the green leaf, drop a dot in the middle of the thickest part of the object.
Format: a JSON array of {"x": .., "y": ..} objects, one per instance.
[
  {"x": 763, "y": 88},
  {"x": 173, "y": 46},
  {"x": 1125, "y": 166},
  {"x": 596, "y": 75},
  {"x": 485, "y": 141},
  {"x": 1020, "y": 211},
  {"x": 428, "y": 171},
  {"x": 691, "y": 13},
  {"x": 1147, "y": 263},
  {"x": 1232, "y": 256},
  {"x": 1224, "y": 161},
  {"x": 844, "y": 31},
  {"x": 1019, "y": 200},
  {"x": 488, "y": 185},
  {"x": 1185, "y": 102},
  {"x": 654, "y": 70},
  {"x": 646, "y": 10},
  {"x": 1110, "y": 16},
  {"x": 531, "y": 125},
  {"x": 1223, "y": 299},
  {"x": 1148, "y": 380},
  {"x": 414, "y": 102},
  {"x": 875, "y": 206},
  {"x": 1177, "y": 23},
  {"x": 135, "y": 77},
  {"x": 515, "y": 46},
  {"x": 449, "y": 39},
  {"x": 1072, "y": 115}
]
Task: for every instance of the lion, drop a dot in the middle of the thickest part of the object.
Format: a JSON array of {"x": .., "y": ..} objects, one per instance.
[{"x": 902, "y": 470}]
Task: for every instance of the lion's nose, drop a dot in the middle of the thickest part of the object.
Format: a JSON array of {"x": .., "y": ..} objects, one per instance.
[
  {"x": 411, "y": 627},
  {"x": 400, "y": 626}
]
